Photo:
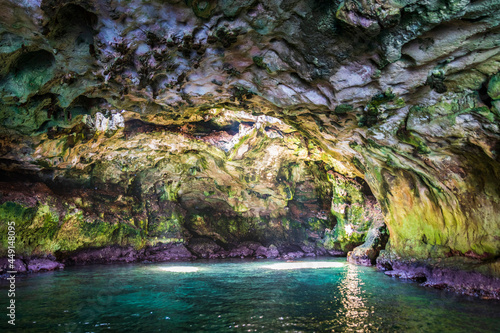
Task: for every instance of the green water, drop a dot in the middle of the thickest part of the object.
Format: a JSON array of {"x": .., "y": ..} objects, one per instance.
[{"x": 239, "y": 296}]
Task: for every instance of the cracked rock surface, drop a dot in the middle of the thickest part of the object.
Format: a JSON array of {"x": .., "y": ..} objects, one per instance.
[{"x": 298, "y": 124}]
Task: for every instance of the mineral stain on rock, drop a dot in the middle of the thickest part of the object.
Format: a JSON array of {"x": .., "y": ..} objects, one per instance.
[{"x": 169, "y": 130}]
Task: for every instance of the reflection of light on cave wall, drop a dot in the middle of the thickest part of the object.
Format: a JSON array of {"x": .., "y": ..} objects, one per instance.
[
  {"x": 348, "y": 229},
  {"x": 354, "y": 312}
]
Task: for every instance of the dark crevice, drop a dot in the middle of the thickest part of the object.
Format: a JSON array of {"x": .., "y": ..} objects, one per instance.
[
  {"x": 483, "y": 94},
  {"x": 476, "y": 19},
  {"x": 32, "y": 62},
  {"x": 84, "y": 105},
  {"x": 73, "y": 19}
]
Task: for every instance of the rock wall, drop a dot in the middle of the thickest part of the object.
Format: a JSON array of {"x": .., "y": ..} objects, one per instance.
[
  {"x": 233, "y": 179},
  {"x": 130, "y": 98}
]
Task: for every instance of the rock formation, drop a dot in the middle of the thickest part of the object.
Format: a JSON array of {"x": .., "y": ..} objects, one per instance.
[{"x": 300, "y": 126}]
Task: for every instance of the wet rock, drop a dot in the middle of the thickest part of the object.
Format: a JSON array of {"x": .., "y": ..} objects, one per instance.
[
  {"x": 453, "y": 274},
  {"x": 308, "y": 249},
  {"x": 270, "y": 252},
  {"x": 19, "y": 266},
  {"x": 166, "y": 252},
  {"x": 320, "y": 252},
  {"x": 245, "y": 249},
  {"x": 367, "y": 253},
  {"x": 293, "y": 255},
  {"x": 336, "y": 253},
  {"x": 251, "y": 245},
  {"x": 290, "y": 252},
  {"x": 204, "y": 248},
  {"x": 40, "y": 265},
  {"x": 111, "y": 254},
  {"x": 415, "y": 127},
  {"x": 241, "y": 252},
  {"x": 464, "y": 282},
  {"x": 103, "y": 255},
  {"x": 220, "y": 254},
  {"x": 360, "y": 257},
  {"x": 383, "y": 263},
  {"x": 418, "y": 276}
]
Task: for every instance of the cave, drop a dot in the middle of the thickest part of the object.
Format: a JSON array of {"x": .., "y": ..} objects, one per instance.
[{"x": 250, "y": 165}]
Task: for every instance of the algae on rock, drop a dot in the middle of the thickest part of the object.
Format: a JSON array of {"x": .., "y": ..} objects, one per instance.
[{"x": 241, "y": 120}]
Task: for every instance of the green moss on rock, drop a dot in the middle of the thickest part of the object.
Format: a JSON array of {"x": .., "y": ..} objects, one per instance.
[
  {"x": 343, "y": 108},
  {"x": 494, "y": 87}
]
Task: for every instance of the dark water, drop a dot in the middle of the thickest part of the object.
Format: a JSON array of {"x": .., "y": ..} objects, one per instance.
[{"x": 239, "y": 296}]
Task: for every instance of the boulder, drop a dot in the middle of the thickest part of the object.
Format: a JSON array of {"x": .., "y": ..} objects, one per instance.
[
  {"x": 270, "y": 252},
  {"x": 367, "y": 253},
  {"x": 204, "y": 248},
  {"x": 38, "y": 265},
  {"x": 18, "y": 266},
  {"x": 167, "y": 252}
]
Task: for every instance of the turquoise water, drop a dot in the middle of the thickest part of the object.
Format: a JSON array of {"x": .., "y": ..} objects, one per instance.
[{"x": 239, "y": 296}]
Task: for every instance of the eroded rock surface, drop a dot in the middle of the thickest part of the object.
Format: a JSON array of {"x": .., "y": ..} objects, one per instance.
[
  {"x": 287, "y": 123},
  {"x": 458, "y": 274}
]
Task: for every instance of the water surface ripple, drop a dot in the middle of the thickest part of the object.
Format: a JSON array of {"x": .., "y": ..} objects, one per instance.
[{"x": 239, "y": 296}]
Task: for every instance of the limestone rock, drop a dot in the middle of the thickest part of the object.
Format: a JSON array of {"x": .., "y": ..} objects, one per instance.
[
  {"x": 204, "y": 248},
  {"x": 270, "y": 252},
  {"x": 494, "y": 87},
  {"x": 280, "y": 122},
  {"x": 367, "y": 253},
  {"x": 37, "y": 265},
  {"x": 19, "y": 266}
]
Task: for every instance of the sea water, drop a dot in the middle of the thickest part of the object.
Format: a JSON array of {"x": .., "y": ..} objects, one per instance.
[{"x": 320, "y": 295}]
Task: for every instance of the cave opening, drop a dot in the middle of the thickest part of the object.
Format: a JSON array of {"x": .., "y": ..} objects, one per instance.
[
  {"x": 483, "y": 94},
  {"x": 230, "y": 179}
]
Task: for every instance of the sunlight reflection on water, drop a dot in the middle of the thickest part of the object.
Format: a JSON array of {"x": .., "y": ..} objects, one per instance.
[
  {"x": 354, "y": 312},
  {"x": 303, "y": 265},
  {"x": 228, "y": 296},
  {"x": 178, "y": 269}
]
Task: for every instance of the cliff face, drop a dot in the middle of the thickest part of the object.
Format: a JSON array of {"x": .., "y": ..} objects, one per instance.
[{"x": 283, "y": 122}]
